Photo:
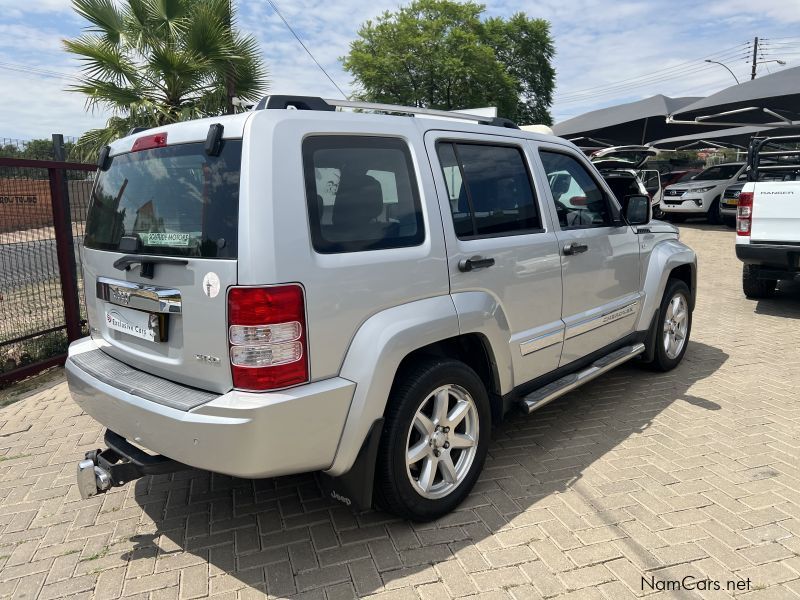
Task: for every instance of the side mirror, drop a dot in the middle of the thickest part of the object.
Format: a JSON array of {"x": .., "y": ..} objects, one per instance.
[{"x": 637, "y": 209}]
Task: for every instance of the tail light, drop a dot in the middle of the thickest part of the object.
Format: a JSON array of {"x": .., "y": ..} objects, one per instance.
[
  {"x": 267, "y": 336},
  {"x": 744, "y": 213}
]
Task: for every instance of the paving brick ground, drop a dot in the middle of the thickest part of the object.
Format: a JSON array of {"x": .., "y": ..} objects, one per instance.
[{"x": 691, "y": 473}]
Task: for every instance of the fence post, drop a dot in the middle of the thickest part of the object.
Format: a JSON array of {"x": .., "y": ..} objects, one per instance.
[{"x": 65, "y": 245}]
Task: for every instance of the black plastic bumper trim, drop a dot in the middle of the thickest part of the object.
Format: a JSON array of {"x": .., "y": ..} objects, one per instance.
[
  {"x": 775, "y": 256},
  {"x": 125, "y": 462}
]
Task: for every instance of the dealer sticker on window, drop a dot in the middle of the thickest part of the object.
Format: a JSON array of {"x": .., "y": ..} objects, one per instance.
[
  {"x": 134, "y": 322},
  {"x": 163, "y": 238}
]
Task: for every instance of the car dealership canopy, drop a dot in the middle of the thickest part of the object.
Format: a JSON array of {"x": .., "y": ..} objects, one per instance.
[
  {"x": 632, "y": 123},
  {"x": 734, "y": 137},
  {"x": 772, "y": 100}
]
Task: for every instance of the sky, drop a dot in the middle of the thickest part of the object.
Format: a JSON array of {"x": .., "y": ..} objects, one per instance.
[{"x": 607, "y": 52}]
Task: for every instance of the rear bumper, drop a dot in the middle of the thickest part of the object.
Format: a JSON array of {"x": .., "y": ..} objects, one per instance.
[
  {"x": 774, "y": 256},
  {"x": 238, "y": 433}
]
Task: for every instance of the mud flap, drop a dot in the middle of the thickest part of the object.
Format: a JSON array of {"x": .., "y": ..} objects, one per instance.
[
  {"x": 354, "y": 488},
  {"x": 651, "y": 339}
]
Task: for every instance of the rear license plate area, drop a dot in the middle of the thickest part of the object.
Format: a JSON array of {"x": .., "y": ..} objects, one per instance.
[{"x": 148, "y": 326}]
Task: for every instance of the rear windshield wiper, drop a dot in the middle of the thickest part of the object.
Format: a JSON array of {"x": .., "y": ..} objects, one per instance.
[{"x": 146, "y": 262}]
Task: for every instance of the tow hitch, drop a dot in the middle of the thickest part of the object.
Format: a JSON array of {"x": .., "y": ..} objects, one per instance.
[{"x": 118, "y": 464}]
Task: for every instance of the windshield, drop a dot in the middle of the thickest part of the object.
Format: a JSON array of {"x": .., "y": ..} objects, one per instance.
[
  {"x": 718, "y": 172},
  {"x": 174, "y": 201}
]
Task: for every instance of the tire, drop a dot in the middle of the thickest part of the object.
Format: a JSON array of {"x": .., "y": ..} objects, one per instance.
[
  {"x": 756, "y": 288},
  {"x": 667, "y": 357},
  {"x": 714, "y": 216},
  {"x": 400, "y": 487}
]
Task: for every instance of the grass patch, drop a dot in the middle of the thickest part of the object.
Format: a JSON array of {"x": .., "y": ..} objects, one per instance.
[
  {"x": 97, "y": 555},
  {"x": 30, "y": 386},
  {"x": 13, "y": 456}
]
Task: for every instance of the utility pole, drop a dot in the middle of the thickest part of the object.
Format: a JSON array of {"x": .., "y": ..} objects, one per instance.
[{"x": 755, "y": 58}]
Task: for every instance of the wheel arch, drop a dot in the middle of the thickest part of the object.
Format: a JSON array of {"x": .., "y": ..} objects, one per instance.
[
  {"x": 669, "y": 258},
  {"x": 469, "y": 326},
  {"x": 475, "y": 351}
]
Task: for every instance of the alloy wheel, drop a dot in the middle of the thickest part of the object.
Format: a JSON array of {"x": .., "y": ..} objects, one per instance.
[
  {"x": 676, "y": 326},
  {"x": 442, "y": 441}
]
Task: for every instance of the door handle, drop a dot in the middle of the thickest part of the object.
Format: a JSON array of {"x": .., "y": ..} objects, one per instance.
[
  {"x": 465, "y": 265},
  {"x": 575, "y": 248}
]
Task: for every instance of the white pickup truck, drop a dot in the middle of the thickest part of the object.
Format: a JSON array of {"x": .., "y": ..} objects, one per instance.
[{"x": 768, "y": 217}]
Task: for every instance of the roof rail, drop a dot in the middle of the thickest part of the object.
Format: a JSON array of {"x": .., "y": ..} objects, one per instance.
[{"x": 314, "y": 103}]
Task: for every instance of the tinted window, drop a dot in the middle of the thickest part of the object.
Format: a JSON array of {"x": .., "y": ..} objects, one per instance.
[
  {"x": 579, "y": 201},
  {"x": 362, "y": 194},
  {"x": 489, "y": 189},
  {"x": 174, "y": 200}
]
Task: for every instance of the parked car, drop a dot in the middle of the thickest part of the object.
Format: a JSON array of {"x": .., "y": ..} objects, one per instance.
[
  {"x": 678, "y": 176},
  {"x": 730, "y": 197},
  {"x": 361, "y": 295},
  {"x": 768, "y": 217},
  {"x": 622, "y": 168},
  {"x": 729, "y": 202},
  {"x": 701, "y": 195}
]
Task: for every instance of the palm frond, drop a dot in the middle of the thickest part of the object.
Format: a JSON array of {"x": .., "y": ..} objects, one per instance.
[
  {"x": 102, "y": 59},
  {"x": 105, "y": 17},
  {"x": 153, "y": 62}
]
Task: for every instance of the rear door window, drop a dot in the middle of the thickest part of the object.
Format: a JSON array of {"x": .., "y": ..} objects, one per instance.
[
  {"x": 489, "y": 189},
  {"x": 172, "y": 201},
  {"x": 362, "y": 194}
]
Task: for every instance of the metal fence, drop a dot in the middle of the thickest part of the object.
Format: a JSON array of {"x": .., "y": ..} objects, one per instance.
[{"x": 43, "y": 205}]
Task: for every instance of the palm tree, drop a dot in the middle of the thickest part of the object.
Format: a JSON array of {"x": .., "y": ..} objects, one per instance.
[{"x": 154, "y": 62}]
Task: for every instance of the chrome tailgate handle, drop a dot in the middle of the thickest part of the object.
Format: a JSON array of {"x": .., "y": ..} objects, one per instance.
[{"x": 142, "y": 297}]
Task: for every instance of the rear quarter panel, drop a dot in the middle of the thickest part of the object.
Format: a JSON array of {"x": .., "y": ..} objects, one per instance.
[{"x": 342, "y": 290}]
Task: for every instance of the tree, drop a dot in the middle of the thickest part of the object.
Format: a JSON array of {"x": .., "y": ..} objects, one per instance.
[
  {"x": 154, "y": 62},
  {"x": 38, "y": 149},
  {"x": 440, "y": 54}
]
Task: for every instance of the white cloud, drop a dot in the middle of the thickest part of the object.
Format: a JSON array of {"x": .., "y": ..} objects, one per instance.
[{"x": 599, "y": 44}]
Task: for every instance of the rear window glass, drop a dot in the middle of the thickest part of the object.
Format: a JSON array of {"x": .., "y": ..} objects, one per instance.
[
  {"x": 176, "y": 201},
  {"x": 362, "y": 194}
]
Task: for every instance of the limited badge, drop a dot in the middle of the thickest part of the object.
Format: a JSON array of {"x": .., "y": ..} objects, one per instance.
[{"x": 211, "y": 285}]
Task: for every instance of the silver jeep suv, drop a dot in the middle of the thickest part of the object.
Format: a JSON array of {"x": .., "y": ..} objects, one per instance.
[{"x": 300, "y": 288}]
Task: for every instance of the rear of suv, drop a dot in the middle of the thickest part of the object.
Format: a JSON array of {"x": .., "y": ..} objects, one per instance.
[
  {"x": 768, "y": 216},
  {"x": 700, "y": 196},
  {"x": 359, "y": 295}
]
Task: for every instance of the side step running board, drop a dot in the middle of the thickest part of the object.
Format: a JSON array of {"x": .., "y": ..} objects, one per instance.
[{"x": 559, "y": 387}]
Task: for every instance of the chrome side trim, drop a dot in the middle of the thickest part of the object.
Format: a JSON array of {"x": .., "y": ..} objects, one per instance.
[
  {"x": 569, "y": 382},
  {"x": 142, "y": 297},
  {"x": 541, "y": 342},
  {"x": 604, "y": 319}
]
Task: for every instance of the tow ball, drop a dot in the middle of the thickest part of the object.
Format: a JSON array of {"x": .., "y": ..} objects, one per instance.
[{"x": 121, "y": 462}]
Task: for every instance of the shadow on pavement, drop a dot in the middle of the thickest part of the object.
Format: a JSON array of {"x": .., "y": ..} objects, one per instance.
[
  {"x": 785, "y": 302},
  {"x": 281, "y": 536}
]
